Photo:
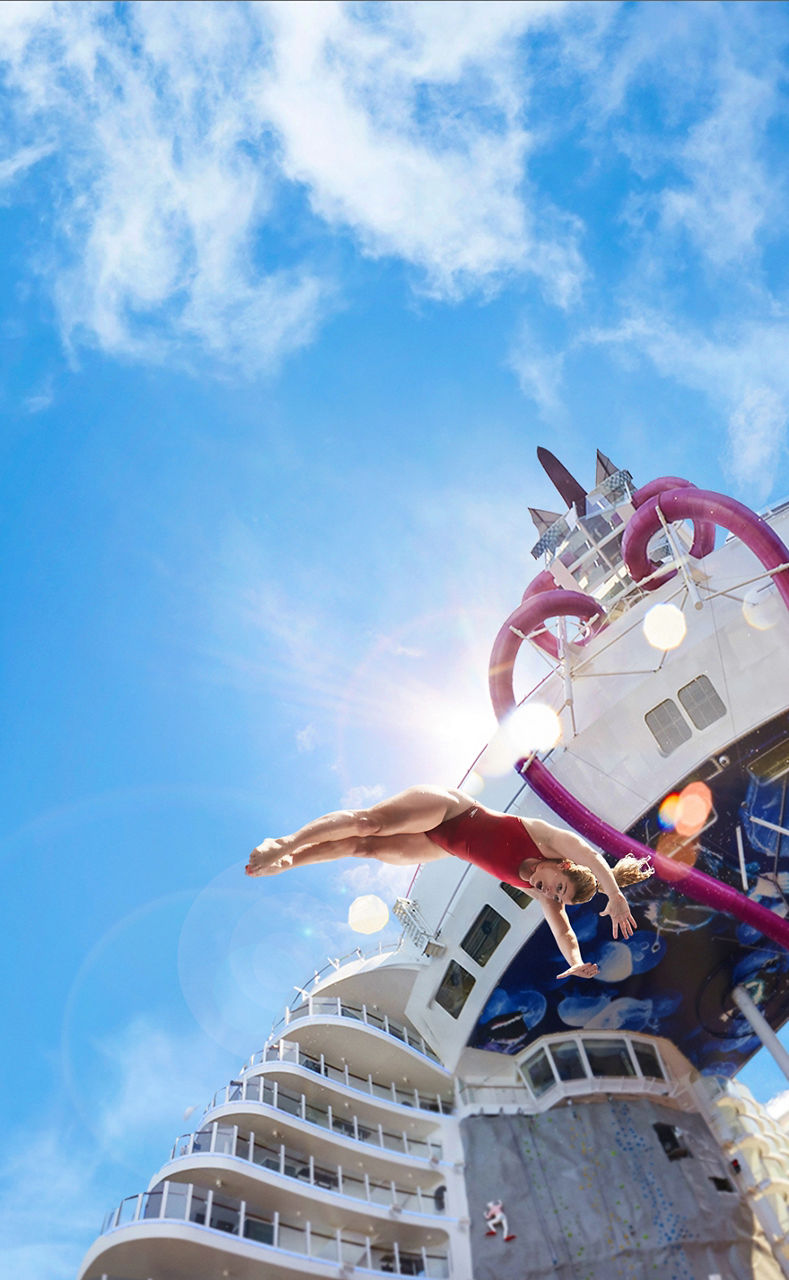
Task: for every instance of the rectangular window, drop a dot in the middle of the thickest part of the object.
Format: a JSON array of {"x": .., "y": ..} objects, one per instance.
[
  {"x": 455, "y": 989},
  {"x": 567, "y": 1060},
  {"x": 647, "y": 1059},
  {"x": 609, "y": 1058},
  {"x": 538, "y": 1074},
  {"x": 518, "y": 895},
  {"x": 485, "y": 935},
  {"x": 671, "y": 1141},
  {"x": 701, "y": 702},
  {"x": 668, "y": 726}
]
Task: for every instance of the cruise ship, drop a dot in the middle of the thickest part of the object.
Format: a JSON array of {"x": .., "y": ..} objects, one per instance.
[{"x": 446, "y": 1106}]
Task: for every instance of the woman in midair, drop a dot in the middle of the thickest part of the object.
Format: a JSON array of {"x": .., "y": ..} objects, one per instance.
[{"x": 423, "y": 824}]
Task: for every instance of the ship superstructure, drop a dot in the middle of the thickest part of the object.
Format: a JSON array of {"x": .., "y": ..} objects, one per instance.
[{"x": 448, "y": 1107}]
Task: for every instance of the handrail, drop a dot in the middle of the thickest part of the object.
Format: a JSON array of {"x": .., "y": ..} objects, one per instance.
[
  {"x": 258, "y": 1089},
  {"x": 288, "y": 1051},
  {"x": 225, "y": 1140},
  {"x": 333, "y": 1006},
  {"x": 212, "y": 1210}
]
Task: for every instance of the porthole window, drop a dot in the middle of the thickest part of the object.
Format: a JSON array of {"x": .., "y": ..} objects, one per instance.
[
  {"x": 668, "y": 726},
  {"x": 455, "y": 989},
  {"x": 700, "y": 700},
  {"x": 485, "y": 935}
]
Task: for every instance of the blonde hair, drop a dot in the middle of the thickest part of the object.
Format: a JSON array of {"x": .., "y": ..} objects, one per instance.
[{"x": 627, "y": 871}]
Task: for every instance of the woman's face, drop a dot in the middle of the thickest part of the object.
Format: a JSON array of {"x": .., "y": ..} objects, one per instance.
[{"x": 550, "y": 879}]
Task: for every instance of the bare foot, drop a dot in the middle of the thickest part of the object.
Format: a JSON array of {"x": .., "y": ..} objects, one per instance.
[{"x": 268, "y": 858}]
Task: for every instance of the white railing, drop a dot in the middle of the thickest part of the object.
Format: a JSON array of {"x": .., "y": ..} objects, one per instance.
[
  {"x": 259, "y": 1089},
  {"x": 209, "y": 1209},
  {"x": 335, "y": 1007},
  {"x": 289, "y": 1052},
  {"x": 225, "y": 1140}
]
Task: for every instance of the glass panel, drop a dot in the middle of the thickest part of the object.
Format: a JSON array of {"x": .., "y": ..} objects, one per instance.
[
  {"x": 538, "y": 1074},
  {"x": 647, "y": 1059},
  {"x": 177, "y": 1193},
  {"x": 223, "y": 1146},
  {"x": 701, "y": 701},
  {"x": 202, "y": 1140},
  {"x": 485, "y": 935},
  {"x": 609, "y": 1058},
  {"x": 259, "y": 1230},
  {"x": 668, "y": 726},
  {"x": 198, "y": 1208},
  {"x": 224, "y": 1216},
  {"x": 127, "y": 1210},
  {"x": 568, "y": 1061},
  {"x": 153, "y": 1203},
  {"x": 455, "y": 989}
]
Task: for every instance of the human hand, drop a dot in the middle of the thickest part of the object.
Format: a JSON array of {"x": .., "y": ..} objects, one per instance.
[
  {"x": 622, "y": 921},
  {"x": 579, "y": 971}
]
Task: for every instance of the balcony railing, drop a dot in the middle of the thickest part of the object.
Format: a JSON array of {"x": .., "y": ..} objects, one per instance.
[
  {"x": 258, "y": 1089},
  {"x": 184, "y": 1202},
  {"x": 288, "y": 1051},
  {"x": 333, "y": 1006},
  {"x": 225, "y": 1140}
]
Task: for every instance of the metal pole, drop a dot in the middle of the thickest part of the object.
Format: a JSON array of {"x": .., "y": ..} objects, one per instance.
[{"x": 761, "y": 1028}]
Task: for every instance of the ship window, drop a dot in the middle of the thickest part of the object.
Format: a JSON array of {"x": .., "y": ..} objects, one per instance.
[
  {"x": 455, "y": 989},
  {"x": 721, "y": 1184},
  {"x": 701, "y": 702},
  {"x": 518, "y": 895},
  {"x": 567, "y": 1060},
  {"x": 609, "y": 1058},
  {"x": 485, "y": 935},
  {"x": 538, "y": 1074},
  {"x": 668, "y": 726},
  {"x": 647, "y": 1059}
]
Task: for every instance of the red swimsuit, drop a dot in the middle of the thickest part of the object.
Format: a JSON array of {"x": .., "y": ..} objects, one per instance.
[{"x": 495, "y": 842}]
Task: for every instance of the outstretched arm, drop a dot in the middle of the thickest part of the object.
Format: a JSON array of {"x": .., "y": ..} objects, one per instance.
[
  {"x": 566, "y": 941},
  {"x": 557, "y": 843}
]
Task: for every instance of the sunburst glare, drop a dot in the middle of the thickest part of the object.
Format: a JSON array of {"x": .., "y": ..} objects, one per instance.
[
  {"x": 368, "y": 914},
  {"x": 665, "y": 627}
]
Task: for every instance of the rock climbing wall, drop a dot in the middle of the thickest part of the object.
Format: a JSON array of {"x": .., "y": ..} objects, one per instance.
[{"x": 591, "y": 1192}]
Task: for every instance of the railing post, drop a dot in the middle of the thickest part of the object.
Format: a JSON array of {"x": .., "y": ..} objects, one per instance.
[
  {"x": 303, "y": 1107},
  {"x": 282, "y": 1158},
  {"x": 251, "y": 1152},
  {"x": 163, "y": 1206},
  {"x": 394, "y": 1091},
  {"x": 347, "y": 1075},
  {"x": 235, "y": 1139},
  {"x": 312, "y": 1171},
  {"x": 364, "y": 1014},
  {"x": 405, "y": 1035},
  {"x": 370, "y": 1089},
  {"x": 308, "y": 1238},
  {"x": 393, "y": 1188},
  {"x": 356, "y": 1127},
  {"x": 339, "y": 1179},
  {"x": 275, "y": 1229},
  {"x": 323, "y": 1065},
  {"x": 209, "y": 1205},
  {"x": 417, "y": 1103},
  {"x": 368, "y": 1255},
  {"x": 367, "y": 1186},
  {"x": 439, "y": 1104},
  {"x": 423, "y": 1251},
  {"x": 137, "y": 1211},
  {"x": 396, "y": 1250},
  {"x": 419, "y": 1201},
  {"x": 386, "y": 1023},
  {"x": 405, "y": 1143},
  {"x": 242, "y": 1216},
  {"x": 188, "y": 1209},
  {"x": 330, "y": 1116},
  {"x": 274, "y": 1095},
  {"x": 212, "y": 1143},
  {"x": 338, "y": 1234},
  {"x": 380, "y": 1135}
]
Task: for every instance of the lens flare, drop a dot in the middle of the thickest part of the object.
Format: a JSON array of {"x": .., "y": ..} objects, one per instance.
[
  {"x": 681, "y": 851},
  {"x": 368, "y": 914},
  {"x": 532, "y": 726},
  {"x": 668, "y": 810},
  {"x": 693, "y": 809},
  {"x": 762, "y": 607},
  {"x": 665, "y": 627}
]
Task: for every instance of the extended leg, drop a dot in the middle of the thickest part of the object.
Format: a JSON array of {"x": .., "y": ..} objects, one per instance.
[
  {"x": 400, "y": 851},
  {"x": 416, "y": 810}
]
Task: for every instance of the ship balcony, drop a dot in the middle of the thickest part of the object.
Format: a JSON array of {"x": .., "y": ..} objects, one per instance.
[
  {"x": 319, "y": 1017},
  {"x": 260, "y": 1102},
  {"x": 385, "y": 1090},
  {"x": 283, "y": 1161},
  {"x": 167, "y": 1232},
  {"x": 565, "y": 1066}
]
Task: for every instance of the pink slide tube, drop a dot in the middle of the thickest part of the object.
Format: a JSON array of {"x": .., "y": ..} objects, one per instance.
[
  {"x": 532, "y": 613},
  {"x": 703, "y": 530},
  {"x": 682, "y": 503}
]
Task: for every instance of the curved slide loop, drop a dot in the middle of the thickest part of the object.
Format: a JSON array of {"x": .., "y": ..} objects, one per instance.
[
  {"x": 697, "y": 505},
  {"x": 544, "y": 581},
  {"x": 533, "y": 612},
  {"x": 703, "y": 530},
  {"x": 685, "y": 503}
]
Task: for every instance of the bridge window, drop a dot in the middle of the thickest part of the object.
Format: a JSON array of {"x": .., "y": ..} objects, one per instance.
[
  {"x": 485, "y": 935},
  {"x": 609, "y": 1058},
  {"x": 701, "y": 702},
  {"x": 668, "y": 726},
  {"x": 647, "y": 1059}
]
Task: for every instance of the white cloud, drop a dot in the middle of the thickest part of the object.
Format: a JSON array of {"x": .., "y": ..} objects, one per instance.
[
  {"x": 307, "y": 738},
  {"x": 376, "y": 877},
  {"x": 50, "y": 1206},
  {"x": 362, "y": 797},
  {"x": 744, "y": 372},
  {"x": 22, "y": 160},
  {"x": 539, "y": 372}
]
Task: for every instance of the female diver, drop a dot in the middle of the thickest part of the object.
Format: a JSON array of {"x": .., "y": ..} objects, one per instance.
[{"x": 423, "y": 824}]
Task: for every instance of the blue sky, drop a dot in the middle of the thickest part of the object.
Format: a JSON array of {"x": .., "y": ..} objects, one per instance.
[{"x": 288, "y": 296}]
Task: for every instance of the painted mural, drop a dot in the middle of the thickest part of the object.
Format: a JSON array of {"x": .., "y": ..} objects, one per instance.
[{"x": 673, "y": 978}]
